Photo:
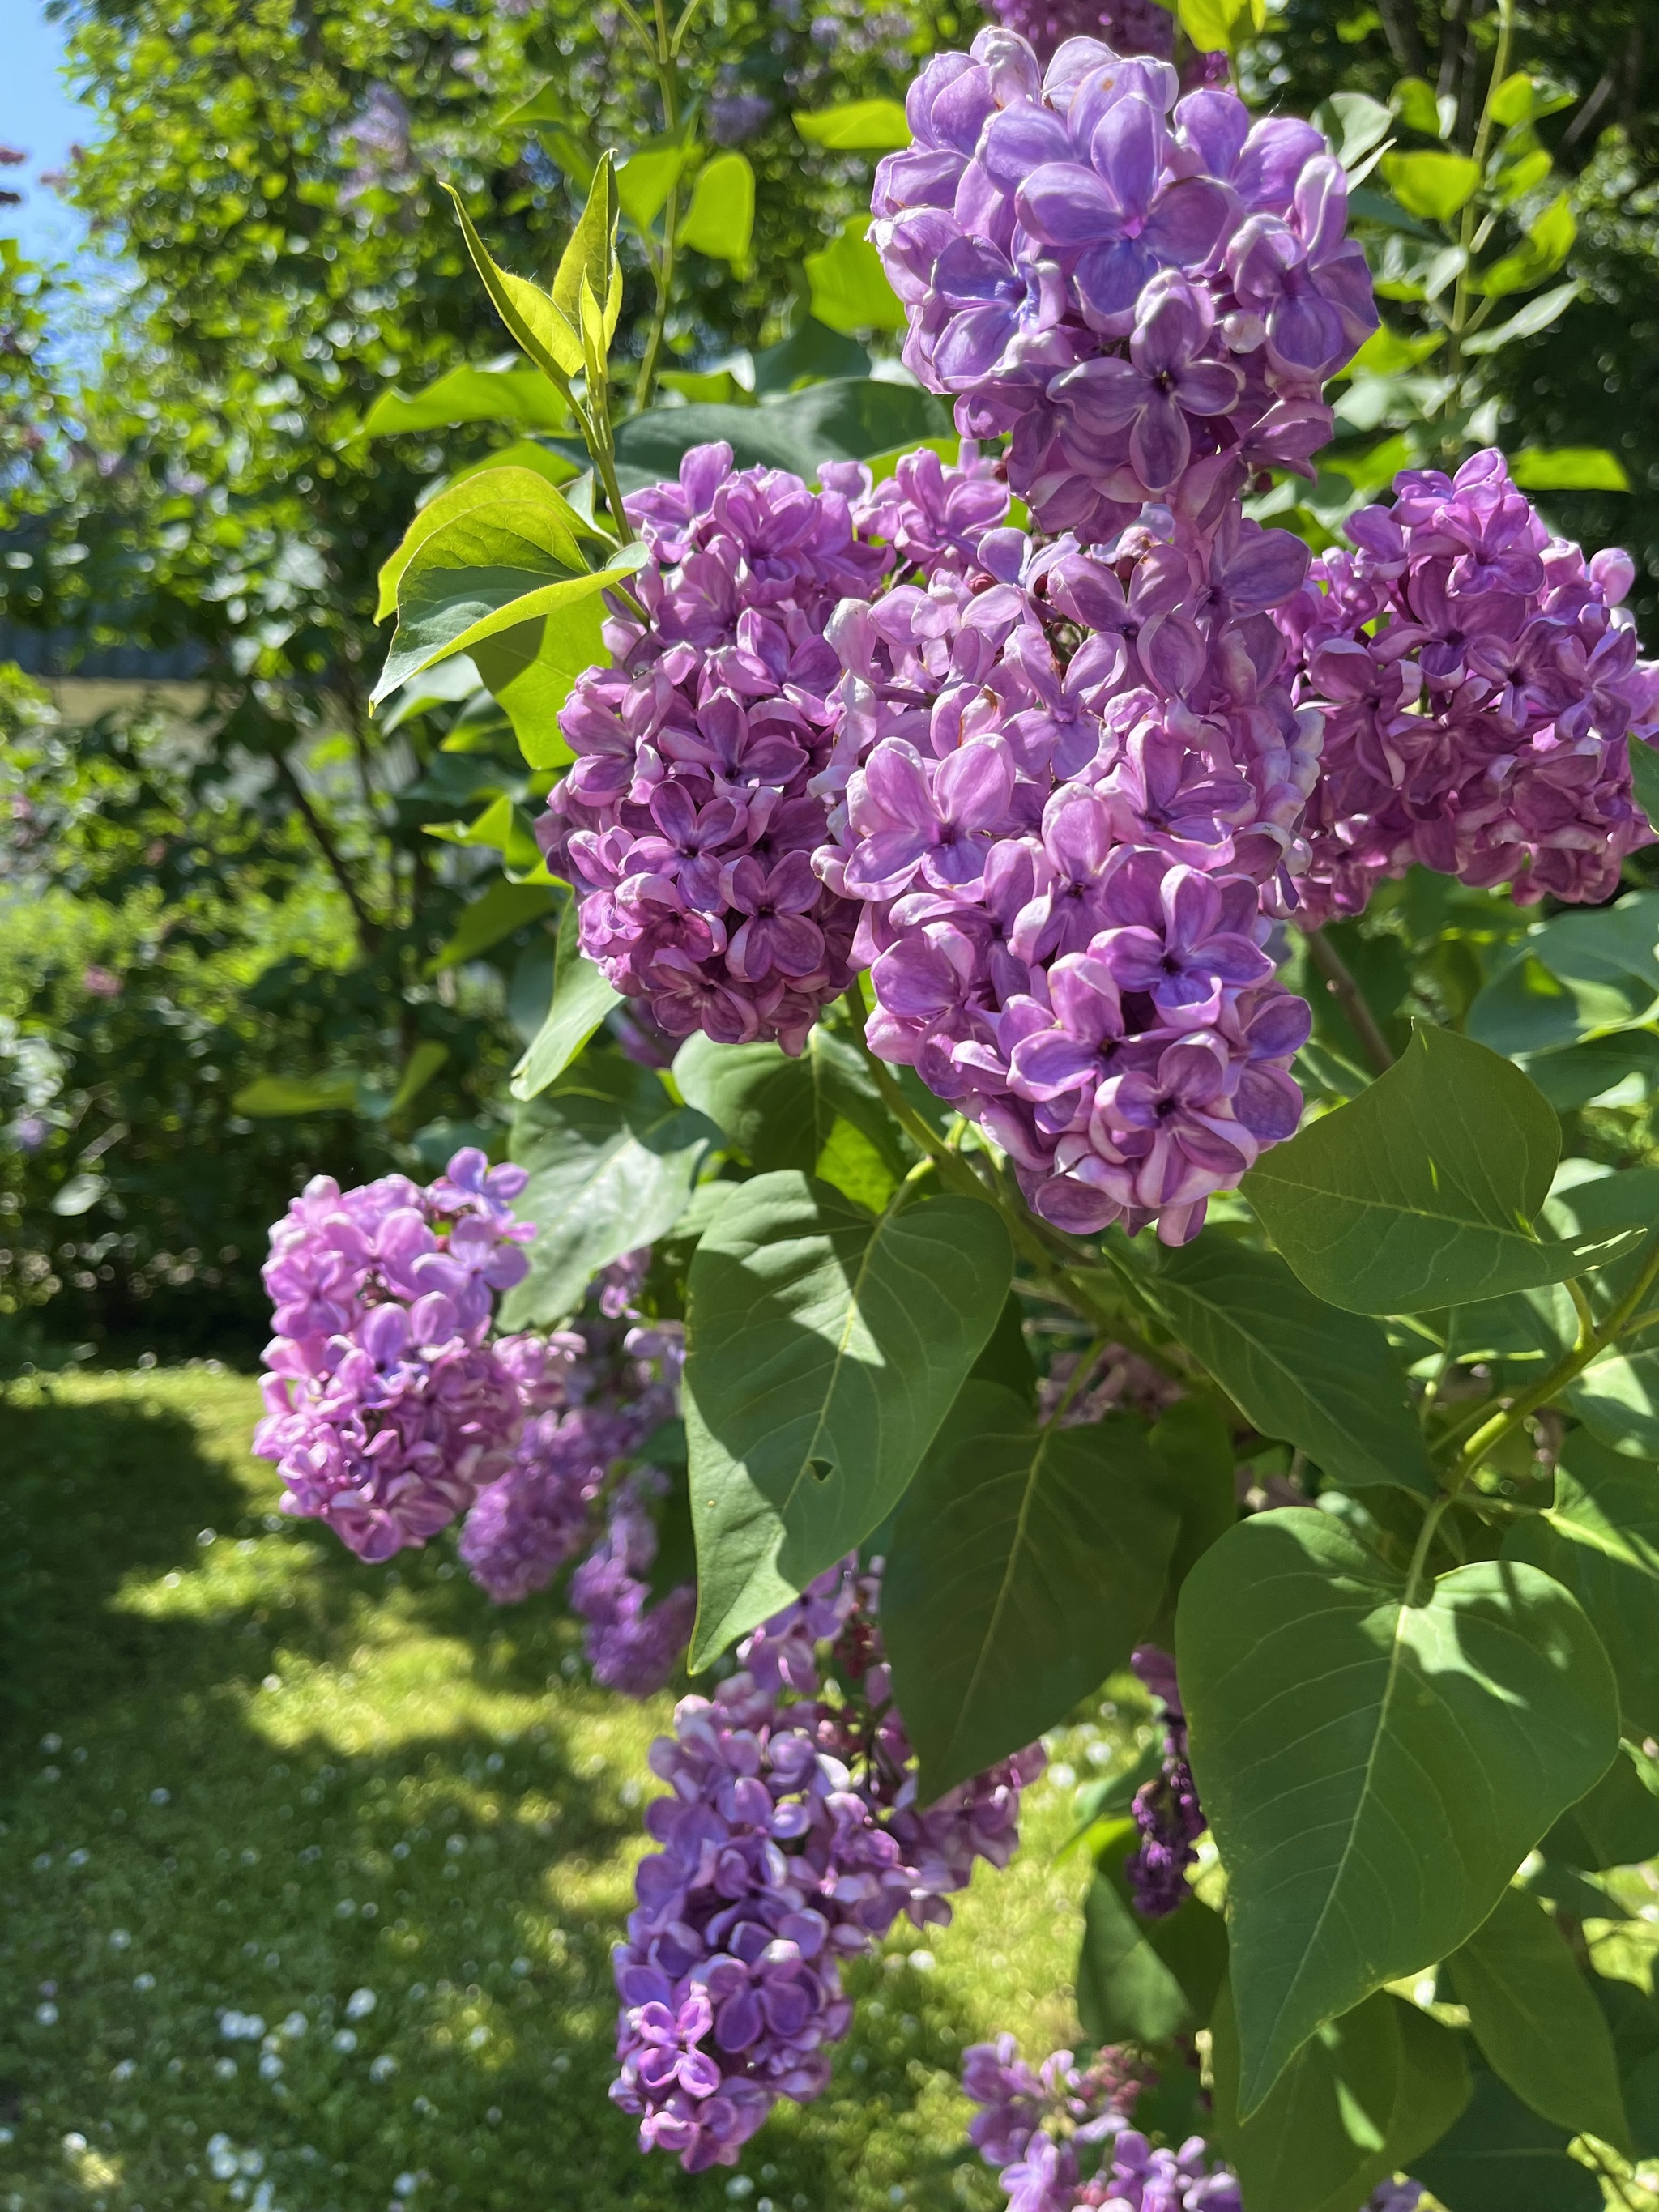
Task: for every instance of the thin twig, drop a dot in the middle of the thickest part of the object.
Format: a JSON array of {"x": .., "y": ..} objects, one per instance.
[
  {"x": 368, "y": 930},
  {"x": 1340, "y": 981}
]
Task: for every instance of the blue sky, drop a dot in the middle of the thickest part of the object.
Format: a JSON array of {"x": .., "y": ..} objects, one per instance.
[{"x": 38, "y": 114}]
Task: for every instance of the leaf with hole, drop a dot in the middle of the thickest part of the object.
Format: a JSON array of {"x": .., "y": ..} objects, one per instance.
[
  {"x": 824, "y": 1348},
  {"x": 1373, "y": 1771},
  {"x": 1027, "y": 1562}
]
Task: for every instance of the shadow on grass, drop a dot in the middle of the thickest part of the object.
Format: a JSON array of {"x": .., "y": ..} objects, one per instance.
[{"x": 428, "y": 1811}]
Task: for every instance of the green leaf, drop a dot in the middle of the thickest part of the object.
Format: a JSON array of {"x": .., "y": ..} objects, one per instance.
[
  {"x": 1140, "y": 1980},
  {"x": 494, "y": 571},
  {"x": 1422, "y": 1193},
  {"x": 532, "y": 669},
  {"x": 1193, "y": 1449},
  {"x": 718, "y": 388},
  {"x": 500, "y": 909},
  {"x": 1026, "y": 1563},
  {"x": 1547, "y": 243},
  {"x": 1614, "y": 1825},
  {"x": 1415, "y": 104},
  {"x": 613, "y": 1161},
  {"x": 645, "y": 179},
  {"x": 720, "y": 220},
  {"x": 846, "y": 419},
  {"x": 1567, "y": 468},
  {"x": 824, "y": 1348},
  {"x": 1006, "y": 1357},
  {"x": 1361, "y": 123},
  {"x": 472, "y": 395},
  {"x": 1607, "y": 958},
  {"x": 1431, "y": 185},
  {"x": 1537, "y": 315},
  {"x": 1500, "y": 2157},
  {"x": 589, "y": 257},
  {"x": 1531, "y": 2013},
  {"x": 779, "y": 1111},
  {"x": 1632, "y": 2015},
  {"x": 1387, "y": 352},
  {"x": 581, "y": 1000},
  {"x": 811, "y": 354},
  {"x": 271, "y": 1095},
  {"x": 423, "y": 1063},
  {"x": 850, "y": 291},
  {"x": 1323, "y": 1379},
  {"x": 1212, "y": 25},
  {"x": 537, "y": 324},
  {"x": 1645, "y": 777},
  {"x": 1365, "y": 2096},
  {"x": 478, "y": 492},
  {"x": 1601, "y": 1541},
  {"x": 1373, "y": 1771},
  {"x": 856, "y": 127}
]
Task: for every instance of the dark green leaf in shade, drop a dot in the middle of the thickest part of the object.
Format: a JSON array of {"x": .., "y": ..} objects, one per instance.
[
  {"x": 1362, "y": 2099},
  {"x": 1532, "y": 2014},
  {"x": 581, "y": 1000},
  {"x": 613, "y": 1161},
  {"x": 1026, "y": 1564},
  {"x": 1614, "y": 1825},
  {"x": 1501, "y": 2157},
  {"x": 1006, "y": 1357},
  {"x": 1645, "y": 777},
  {"x": 846, "y": 419},
  {"x": 498, "y": 910},
  {"x": 1601, "y": 1540},
  {"x": 1144, "y": 1980},
  {"x": 824, "y": 1348},
  {"x": 1195, "y": 1447},
  {"x": 1373, "y": 1772},
  {"x": 1632, "y": 2015},
  {"x": 782, "y": 1112},
  {"x": 1424, "y": 1191},
  {"x": 1299, "y": 1369}
]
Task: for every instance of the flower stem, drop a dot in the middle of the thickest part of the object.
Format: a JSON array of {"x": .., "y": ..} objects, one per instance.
[{"x": 1340, "y": 981}]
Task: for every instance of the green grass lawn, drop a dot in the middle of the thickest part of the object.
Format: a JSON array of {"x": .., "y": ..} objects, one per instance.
[{"x": 311, "y": 1871}]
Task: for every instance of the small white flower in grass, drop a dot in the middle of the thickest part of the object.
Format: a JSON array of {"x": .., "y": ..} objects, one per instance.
[
  {"x": 225, "y": 2069},
  {"x": 46, "y": 2013},
  {"x": 222, "y": 2158},
  {"x": 345, "y": 2038},
  {"x": 738, "y": 2187},
  {"x": 74, "y": 2144},
  {"x": 478, "y": 2036},
  {"x": 519, "y": 1967},
  {"x": 294, "y": 2026},
  {"x": 493, "y": 2115},
  {"x": 77, "y": 1858},
  {"x": 161, "y": 1796},
  {"x": 923, "y": 1961},
  {"x": 270, "y": 2067},
  {"x": 361, "y": 2004},
  {"x": 143, "y": 1983},
  {"x": 406, "y": 2185},
  {"x": 455, "y": 1845},
  {"x": 206, "y": 1536},
  {"x": 1062, "y": 1776},
  {"x": 383, "y": 2068},
  {"x": 42, "y": 1861},
  {"x": 346, "y": 1908},
  {"x": 7, "y": 2135},
  {"x": 50, "y": 1743},
  {"x": 119, "y": 1940}
]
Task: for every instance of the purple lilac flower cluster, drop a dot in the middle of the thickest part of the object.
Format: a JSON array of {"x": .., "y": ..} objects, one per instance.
[
  {"x": 385, "y": 1410},
  {"x": 1166, "y": 1811},
  {"x": 1059, "y": 845},
  {"x": 1128, "y": 27},
  {"x": 789, "y": 1842},
  {"x": 686, "y": 824},
  {"x": 1126, "y": 281},
  {"x": 1477, "y": 681}
]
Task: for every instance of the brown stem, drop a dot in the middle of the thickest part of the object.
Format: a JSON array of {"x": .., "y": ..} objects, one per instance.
[
  {"x": 1404, "y": 41},
  {"x": 1340, "y": 982},
  {"x": 368, "y": 930}
]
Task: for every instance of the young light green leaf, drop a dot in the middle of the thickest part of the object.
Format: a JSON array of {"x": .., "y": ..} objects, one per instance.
[
  {"x": 1026, "y": 1563},
  {"x": 540, "y": 325},
  {"x": 1422, "y": 1193},
  {"x": 269, "y": 1096},
  {"x": 483, "y": 573},
  {"x": 720, "y": 220},
  {"x": 1367, "y": 2094},
  {"x": 1361, "y": 124},
  {"x": 590, "y": 256},
  {"x": 824, "y": 1348},
  {"x": 1568, "y": 468},
  {"x": 1601, "y": 1541},
  {"x": 1144, "y": 1981},
  {"x": 1547, "y": 243},
  {"x": 1416, "y": 105},
  {"x": 486, "y": 488},
  {"x": 581, "y": 1000},
  {"x": 531, "y": 668},
  {"x": 613, "y": 1161},
  {"x": 1373, "y": 1771},
  {"x": 472, "y": 395},
  {"x": 850, "y": 291},
  {"x": 1502, "y": 2157},
  {"x": 646, "y": 178},
  {"x": 1432, "y": 185},
  {"x": 1323, "y": 1379},
  {"x": 856, "y": 127},
  {"x": 1531, "y": 2013},
  {"x": 1537, "y": 315}
]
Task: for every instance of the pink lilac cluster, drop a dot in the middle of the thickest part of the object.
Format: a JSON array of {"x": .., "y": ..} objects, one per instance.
[
  {"x": 1060, "y": 2139},
  {"x": 789, "y": 1842},
  {"x": 1127, "y": 281},
  {"x": 686, "y": 824},
  {"x": 1478, "y": 681},
  {"x": 385, "y": 1409},
  {"x": 1166, "y": 1810},
  {"x": 1062, "y": 776}
]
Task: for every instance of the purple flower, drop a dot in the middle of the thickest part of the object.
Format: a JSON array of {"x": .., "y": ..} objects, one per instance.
[{"x": 1158, "y": 392}]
